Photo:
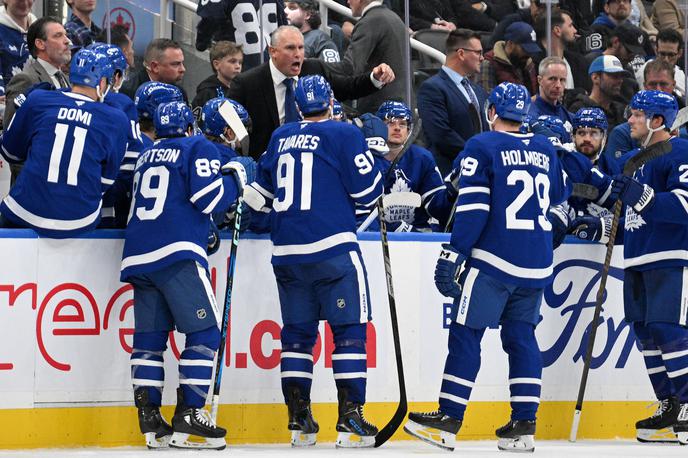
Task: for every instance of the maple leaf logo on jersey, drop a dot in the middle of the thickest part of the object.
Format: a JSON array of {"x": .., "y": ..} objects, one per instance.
[
  {"x": 633, "y": 220},
  {"x": 401, "y": 182}
]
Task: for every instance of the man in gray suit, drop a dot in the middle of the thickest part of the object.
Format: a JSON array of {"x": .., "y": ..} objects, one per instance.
[
  {"x": 49, "y": 46},
  {"x": 378, "y": 37}
]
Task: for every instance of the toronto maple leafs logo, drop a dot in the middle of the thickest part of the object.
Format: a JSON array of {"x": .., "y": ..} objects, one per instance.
[
  {"x": 633, "y": 220},
  {"x": 401, "y": 182}
]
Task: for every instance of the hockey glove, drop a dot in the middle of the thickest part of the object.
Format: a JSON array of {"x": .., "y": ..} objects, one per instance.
[
  {"x": 448, "y": 270},
  {"x": 558, "y": 216},
  {"x": 243, "y": 169},
  {"x": 228, "y": 222},
  {"x": 213, "y": 239},
  {"x": 592, "y": 228},
  {"x": 452, "y": 183},
  {"x": 631, "y": 192}
]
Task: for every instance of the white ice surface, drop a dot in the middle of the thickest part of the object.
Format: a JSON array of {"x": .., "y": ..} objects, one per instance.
[{"x": 556, "y": 449}]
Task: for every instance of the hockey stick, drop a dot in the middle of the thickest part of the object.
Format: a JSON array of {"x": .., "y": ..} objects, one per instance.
[
  {"x": 214, "y": 404},
  {"x": 585, "y": 191},
  {"x": 388, "y": 430},
  {"x": 644, "y": 156}
]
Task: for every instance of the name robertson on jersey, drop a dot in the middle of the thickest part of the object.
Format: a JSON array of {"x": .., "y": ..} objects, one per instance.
[
  {"x": 521, "y": 157},
  {"x": 75, "y": 114},
  {"x": 158, "y": 155},
  {"x": 300, "y": 141}
]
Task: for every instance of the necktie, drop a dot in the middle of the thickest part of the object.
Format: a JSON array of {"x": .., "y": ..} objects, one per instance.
[
  {"x": 474, "y": 100},
  {"x": 59, "y": 76},
  {"x": 291, "y": 114}
]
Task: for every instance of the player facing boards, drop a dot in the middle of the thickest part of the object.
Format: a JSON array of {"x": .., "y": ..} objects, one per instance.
[
  {"x": 507, "y": 183},
  {"x": 71, "y": 145},
  {"x": 312, "y": 175},
  {"x": 177, "y": 180}
]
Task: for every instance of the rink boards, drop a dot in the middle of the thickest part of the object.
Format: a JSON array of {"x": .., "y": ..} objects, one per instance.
[{"x": 66, "y": 334}]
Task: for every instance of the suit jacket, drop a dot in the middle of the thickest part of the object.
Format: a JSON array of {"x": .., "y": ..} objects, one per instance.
[
  {"x": 33, "y": 73},
  {"x": 255, "y": 91},
  {"x": 448, "y": 119}
]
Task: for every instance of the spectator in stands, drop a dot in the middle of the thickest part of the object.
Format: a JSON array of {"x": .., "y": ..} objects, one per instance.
[
  {"x": 449, "y": 104},
  {"x": 15, "y": 19},
  {"x": 552, "y": 82},
  {"x": 510, "y": 60},
  {"x": 49, "y": 46},
  {"x": 163, "y": 61},
  {"x": 226, "y": 59},
  {"x": 667, "y": 14},
  {"x": 615, "y": 12},
  {"x": 477, "y": 15},
  {"x": 563, "y": 34},
  {"x": 670, "y": 49},
  {"x": 582, "y": 13},
  {"x": 607, "y": 75},
  {"x": 119, "y": 37},
  {"x": 378, "y": 37},
  {"x": 625, "y": 42},
  {"x": 267, "y": 91},
  {"x": 528, "y": 15},
  {"x": 431, "y": 14},
  {"x": 659, "y": 76},
  {"x": 304, "y": 15},
  {"x": 80, "y": 28}
]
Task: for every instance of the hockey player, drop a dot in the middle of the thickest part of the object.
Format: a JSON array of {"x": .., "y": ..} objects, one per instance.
[
  {"x": 338, "y": 113},
  {"x": 312, "y": 175},
  {"x": 117, "y": 198},
  {"x": 655, "y": 264},
  {"x": 149, "y": 96},
  {"x": 72, "y": 145},
  {"x": 508, "y": 182},
  {"x": 176, "y": 180}
]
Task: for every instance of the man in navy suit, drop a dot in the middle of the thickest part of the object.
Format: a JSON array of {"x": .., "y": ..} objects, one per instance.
[{"x": 449, "y": 104}]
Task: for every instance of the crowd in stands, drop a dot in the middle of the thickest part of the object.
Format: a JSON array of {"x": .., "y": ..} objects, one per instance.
[{"x": 599, "y": 53}]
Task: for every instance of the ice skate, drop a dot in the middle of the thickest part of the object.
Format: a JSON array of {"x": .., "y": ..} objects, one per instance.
[
  {"x": 302, "y": 425},
  {"x": 354, "y": 430},
  {"x": 153, "y": 425},
  {"x": 517, "y": 436},
  {"x": 659, "y": 427},
  {"x": 434, "y": 428},
  {"x": 192, "y": 421},
  {"x": 681, "y": 425}
]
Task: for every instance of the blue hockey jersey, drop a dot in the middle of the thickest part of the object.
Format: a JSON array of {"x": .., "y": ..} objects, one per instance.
[
  {"x": 312, "y": 175},
  {"x": 508, "y": 182},
  {"x": 177, "y": 185},
  {"x": 14, "y": 51},
  {"x": 72, "y": 147},
  {"x": 116, "y": 199},
  {"x": 416, "y": 172},
  {"x": 659, "y": 237}
]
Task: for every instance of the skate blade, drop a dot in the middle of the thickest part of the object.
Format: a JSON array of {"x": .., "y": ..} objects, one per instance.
[
  {"x": 154, "y": 443},
  {"x": 661, "y": 436},
  {"x": 682, "y": 437},
  {"x": 182, "y": 440},
  {"x": 433, "y": 436},
  {"x": 299, "y": 439},
  {"x": 520, "y": 444},
  {"x": 351, "y": 440}
]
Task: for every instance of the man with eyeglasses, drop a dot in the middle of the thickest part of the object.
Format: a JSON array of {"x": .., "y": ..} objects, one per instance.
[
  {"x": 670, "y": 49},
  {"x": 659, "y": 75}
]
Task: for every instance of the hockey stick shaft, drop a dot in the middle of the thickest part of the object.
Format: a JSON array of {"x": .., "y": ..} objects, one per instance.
[
  {"x": 219, "y": 365},
  {"x": 644, "y": 156}
]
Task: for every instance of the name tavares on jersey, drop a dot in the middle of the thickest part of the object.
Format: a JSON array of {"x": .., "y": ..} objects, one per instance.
[
  {"x": 300, "y": 141},
  {"x": 516, "y": 157},
  {"x": 75, "y": 114}
]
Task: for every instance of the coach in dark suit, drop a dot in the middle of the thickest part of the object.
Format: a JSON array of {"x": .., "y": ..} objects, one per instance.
[
  {"x": 449, "y": 104},
  {"x": 267, "y": 91}
]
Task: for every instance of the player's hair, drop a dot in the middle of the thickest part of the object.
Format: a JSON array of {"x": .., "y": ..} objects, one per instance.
[
  {"x": 277, "y": 34},
  {"x": 37, "y": 32},
  {"x": 658, "y": 66},
  {"x": 548, "y": 62},
  {"x": 146, "y": 125},
  {"x": 222, "y": 49},
  {"x": 118, "y": 36},
  {"x": 670, "y": 36},
  {"x": 459, "y": 38},
  {"x": 157, "y": 47}
]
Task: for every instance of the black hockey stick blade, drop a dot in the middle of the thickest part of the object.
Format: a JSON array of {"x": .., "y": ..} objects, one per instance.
[
  {"x": 585, "y": 191},
  {"x": 646, "y": 155}
]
